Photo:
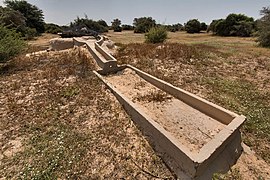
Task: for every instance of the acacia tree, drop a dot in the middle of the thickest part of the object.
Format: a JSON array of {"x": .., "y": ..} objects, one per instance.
[
  {"x": 264, "y": 28},
  {"x": 116, "y": 25},
  {"x": 34, "y": 16}
]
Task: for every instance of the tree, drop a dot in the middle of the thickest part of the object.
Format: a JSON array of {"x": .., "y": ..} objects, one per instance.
[
  {"x": 34, "y": 16},
  {"x": 234, "y": 25},
  {"x": 127, "y": 27},
  {"x": 174, "y": 27},
  {"x": 193, "y": 26},
  {"x": 102, "y": 23},
  {"x": 116, "y": 25},
  {"x": 11, "y": 18},
  {"x": 203, "y": 26},
  {"x": 212, "y": 26},
  {"x": 52, "y": 28},
  {"x": 89, "y": 23},
  {"x": 264, "y": 28},
  {"x": 143, "y": 24}
]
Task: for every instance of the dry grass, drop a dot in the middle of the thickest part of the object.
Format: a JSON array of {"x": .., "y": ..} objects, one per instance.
[
  {"x": 59, "y": 122},
  {"x": 237, "y": 81}
]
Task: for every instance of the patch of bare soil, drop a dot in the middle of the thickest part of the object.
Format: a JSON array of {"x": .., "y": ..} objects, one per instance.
[
  {"x": 59, "y": 121},
  {"x": 192, "y": 128}
]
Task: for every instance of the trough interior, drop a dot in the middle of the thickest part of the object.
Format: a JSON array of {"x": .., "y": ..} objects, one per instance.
[{"x": 189, "y": 126}]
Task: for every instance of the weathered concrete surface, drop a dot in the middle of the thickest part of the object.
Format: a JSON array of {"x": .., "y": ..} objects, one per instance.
[
  {"x": 105, "y": 61},
  {"x": 58, "y": 44},
  {"x": 217, "y": 155}
]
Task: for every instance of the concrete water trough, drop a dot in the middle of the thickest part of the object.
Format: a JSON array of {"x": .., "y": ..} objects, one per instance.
[
  {"x": 195, "y": 137},
  {"x": 104, "y": 60}
]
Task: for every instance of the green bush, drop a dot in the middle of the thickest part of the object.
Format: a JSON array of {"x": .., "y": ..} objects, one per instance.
[
  {"x": 11, "y": 44},
  {"x": 193, "y": 26},
  {"x": 156, "y": 35},
  {"x": 264, "y": 28},
  {"x": 52, "y": 28},
  {"x": 143, "y": 24},
  {"x": 34, "y": 16},
  {"x": 234, "y": 25},
  {"x": 116, "y": 25}
]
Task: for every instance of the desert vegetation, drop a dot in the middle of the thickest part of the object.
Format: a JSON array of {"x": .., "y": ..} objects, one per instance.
[
  {"x": 58, "y": 120},
  {"x": 233, "y": 25},
  {"x": 220, "y": 72},
  {"x": 156, "y": 35},
  {"x": 64, "y": 124}
]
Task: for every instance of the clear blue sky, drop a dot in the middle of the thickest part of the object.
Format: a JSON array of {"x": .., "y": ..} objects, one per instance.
[{"x": 163, "y": 11}]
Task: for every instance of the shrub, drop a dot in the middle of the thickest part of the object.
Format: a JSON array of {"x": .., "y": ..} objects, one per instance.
[
  {"x": 233, "y": 25},
  {"x": 11, "y": 44},
  {"x": 127, "y": 27},
  {"x": 89, "y": 23},
  {"x": 264, "y": 28},
  {"x": 34, "y": 16},
  {"x": 156, "y": 35},
  {"x": 193, "y": 26},
  {"x": 203, "y": 26},
  {"x": 116, "y": 25},
  {"x": 52, "y": 28},
  {"x": 143, "y": 24}
]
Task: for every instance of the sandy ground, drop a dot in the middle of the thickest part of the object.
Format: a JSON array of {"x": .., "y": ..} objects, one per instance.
[{"x": 192, "y": 128}]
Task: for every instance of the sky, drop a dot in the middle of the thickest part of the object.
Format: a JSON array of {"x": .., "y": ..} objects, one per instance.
[{"x": 62, "y": 12}]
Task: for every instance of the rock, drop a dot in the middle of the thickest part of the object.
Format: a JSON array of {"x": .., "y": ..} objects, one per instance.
[{"x": 58, "y": 44}]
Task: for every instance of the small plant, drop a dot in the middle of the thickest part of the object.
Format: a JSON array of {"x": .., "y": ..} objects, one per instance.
[
  {"x": 156, "y": 35},
  {"x": 154, "y": 96}
]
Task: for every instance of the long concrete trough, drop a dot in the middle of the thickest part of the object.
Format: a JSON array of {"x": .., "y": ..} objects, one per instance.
[
  {"x": 105, "y": 61},
  {"x": 195, "y": 137}
]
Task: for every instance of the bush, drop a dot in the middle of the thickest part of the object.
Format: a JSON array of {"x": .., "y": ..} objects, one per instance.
[
  {"x": 193, "y": 26},
  {"x": 156, "y": 35},
  {"x": 34, "y": 16},
  {"x": 203, "y": 26},
  {"x": 143, "y": 24},
  {"x": 52, "y": 28},
  {"x": 233, "y": 25},
  {"x": 89, "y": 23},
  {"x": 127, "y": 27},
  {"x": 264, "y": 28},
  {"x": 11, "y": 44},
  {"x": 116, "y": 25}
]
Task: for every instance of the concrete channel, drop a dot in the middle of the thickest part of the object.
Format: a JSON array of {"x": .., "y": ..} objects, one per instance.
[{"x": 195, "y": 137}]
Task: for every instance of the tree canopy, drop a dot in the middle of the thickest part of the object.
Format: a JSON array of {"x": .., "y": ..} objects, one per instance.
[
  {"x": 116, "y": 25},
  {"x": 264, "y": 28},
  {"x": 193, "y": 26},
  {"x": 89, "y": 23},
  {"x": 234, "y": 25},
  {"x": 34, "y": 17},
  {"x": 143, "y": 24}
]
